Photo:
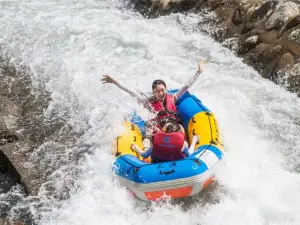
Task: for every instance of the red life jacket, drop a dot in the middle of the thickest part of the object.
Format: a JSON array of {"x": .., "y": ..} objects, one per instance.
[
  {"x": 166, "y": 109},
  {"x": 167, "y": 146}
]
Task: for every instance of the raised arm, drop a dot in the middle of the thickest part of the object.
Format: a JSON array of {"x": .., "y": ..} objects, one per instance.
[
  {"x": 108, "y": 79},
  {"x": 189, "y": 83},
  {"x": 187, "y": 151},
  {"x": 144, "y": 154}
]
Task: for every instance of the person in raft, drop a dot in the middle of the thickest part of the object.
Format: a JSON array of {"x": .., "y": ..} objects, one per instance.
[
  {"x": 168, "y": 144},
  {"x": 161, "y": 103}
]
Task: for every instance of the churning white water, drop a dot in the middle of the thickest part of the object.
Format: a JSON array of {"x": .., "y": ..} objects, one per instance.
[{"x": 69, "y": 44}]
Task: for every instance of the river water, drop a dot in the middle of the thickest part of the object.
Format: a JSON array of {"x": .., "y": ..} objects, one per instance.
[{"x": 68, "y": 45}]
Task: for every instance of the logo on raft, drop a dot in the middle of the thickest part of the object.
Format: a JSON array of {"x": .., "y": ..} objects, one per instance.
[{"x": 167, "y": 143}]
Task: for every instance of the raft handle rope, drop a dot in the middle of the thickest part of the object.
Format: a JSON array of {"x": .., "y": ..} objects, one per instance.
[
  {"x": 193, "y": 120},
  {"x": 167, "y": 172},
  {"x": 118, "y": 153},
  {"x": 208, "y": 116}
]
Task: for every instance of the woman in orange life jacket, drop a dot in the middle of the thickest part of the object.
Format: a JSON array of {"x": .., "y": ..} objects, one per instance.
[
  {"x": 161, "y": 103},
  {"x": 168, "y": 144}
]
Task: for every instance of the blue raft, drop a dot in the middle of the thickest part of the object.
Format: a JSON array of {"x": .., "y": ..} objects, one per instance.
[{"x": 181, "y": 178}]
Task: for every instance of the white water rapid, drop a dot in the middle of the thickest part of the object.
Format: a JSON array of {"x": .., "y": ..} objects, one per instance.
[{"x": 69, "y": 44}]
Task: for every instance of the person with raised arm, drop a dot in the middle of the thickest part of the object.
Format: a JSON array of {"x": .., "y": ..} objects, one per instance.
[{"x": 161, "y": 103}]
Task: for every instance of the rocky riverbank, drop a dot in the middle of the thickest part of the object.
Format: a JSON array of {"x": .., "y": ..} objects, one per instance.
[
  {"x": 33, "y": 145},
  {"x": 266, "y": 34},
  {"x": 21, "y": 122}
]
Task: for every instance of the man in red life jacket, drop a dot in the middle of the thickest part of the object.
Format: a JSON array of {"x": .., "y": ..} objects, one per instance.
[{"x": 168, "y": 144}]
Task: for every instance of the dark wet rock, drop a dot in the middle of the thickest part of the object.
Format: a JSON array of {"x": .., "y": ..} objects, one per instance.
[
  {"x": 7, "y": 181},
  {"x": 253, "y": 57},
  {"x": 239, "y": 16},
  {"x": 261, "y": 14},
  {"x": 9, "y": 177},
  {"x": 286, "y": 62},
  {"x": 282, "y": 14},
  {"x": 219, "y": 33},
  {"x": 263, "y": 57},
  {"x": 7, "y": 137},
  {"x": 24, "y": 129},
  {"x": 34, "y": 140},
  {"x": 293, "y": 79},
  {"x": 292, "y": 23},
  {"x": 294, "y": 36},
  {"x": 213, "y": 4},
  {"x": 283, "y": 65},
  {"x": 248, "y": 44},
  {"x": 11, "y": 194},
  {"x": 186, "y": 5}
]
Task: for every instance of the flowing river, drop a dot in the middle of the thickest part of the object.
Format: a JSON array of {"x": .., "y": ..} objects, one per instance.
[{"x": 69, "y": 44}]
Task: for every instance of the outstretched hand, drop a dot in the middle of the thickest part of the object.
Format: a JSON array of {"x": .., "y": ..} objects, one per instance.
[
  {"x": 201, "y": 65},
  {"x": 133, "y": 147},
  {"x": 107, "y": 79}
]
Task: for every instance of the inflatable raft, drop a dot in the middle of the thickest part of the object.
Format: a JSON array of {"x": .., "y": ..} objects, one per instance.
[{"x": 181, "y": 178}]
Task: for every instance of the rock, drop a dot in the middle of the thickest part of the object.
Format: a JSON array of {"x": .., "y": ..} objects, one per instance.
[
  {"x": 186, "y": 5},
  {"x": 265, "y": 33},
  {"x": 282, "y": 14},
  {"x": 6, "y": 221},
  {"x": 219, "y": 33},
  {"x": 7, "y": 137},
  {"x": 239, "y": 16},
  {"x": 142, "y": 6},
  {"x": 261, "y": 14},
  {"x": 213, "y": 4},
  {"x": 252, "y": 57},
  {"x": 294, "y": 36},
  {"x": 232, "y": 43},
  {"x": 24, "y": 127},
  {"x": 199, "y": 5},
  {"x": 261, "y": 56},
  {"x": 248, "y": 44},
  {"x": 293, "y": 79},
  {"x": 269, "y": 58},
  {"x": 252, "y": 40},
  {"x": 167, "y": 4},
  {"x": 7, "y": 181},
  {"x": 295, "y": 71},
  {"x": 273, "y": 51},
  {"x": 291, "y": 24},
  {"x": 286, "y": 62}
]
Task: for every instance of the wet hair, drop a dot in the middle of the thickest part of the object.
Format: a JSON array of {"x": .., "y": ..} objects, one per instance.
[
  {"x": 157, "y": 82},
  {"x": 172, "y": 127}
]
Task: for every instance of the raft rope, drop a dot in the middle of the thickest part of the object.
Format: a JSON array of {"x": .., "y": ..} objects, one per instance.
[{"x": 208, "y": 116}]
